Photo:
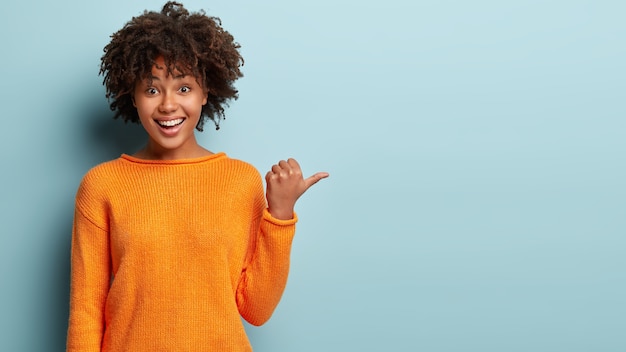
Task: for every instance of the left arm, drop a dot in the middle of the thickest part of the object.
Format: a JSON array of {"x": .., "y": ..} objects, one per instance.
[{"x": 265, "y": 275}]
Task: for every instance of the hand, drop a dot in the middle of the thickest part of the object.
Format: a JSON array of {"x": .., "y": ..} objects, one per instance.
[{"x": 285, "y": 185}]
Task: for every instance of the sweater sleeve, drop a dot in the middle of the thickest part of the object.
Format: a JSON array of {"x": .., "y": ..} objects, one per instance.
[
  {"x": 90, "y": 276},
  {"x": 265, "y": 272}
]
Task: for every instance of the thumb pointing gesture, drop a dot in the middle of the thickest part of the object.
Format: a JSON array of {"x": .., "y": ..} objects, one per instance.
[
  {"x": 285, "y": 185},
  {"x": 315, "y": 179}
]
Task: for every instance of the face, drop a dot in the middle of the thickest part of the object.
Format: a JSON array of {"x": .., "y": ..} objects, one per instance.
[{"x": 169, "y": 109}]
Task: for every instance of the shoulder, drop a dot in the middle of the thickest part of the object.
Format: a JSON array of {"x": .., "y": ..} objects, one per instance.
[
  {"x": 241, "y": 168},
  {"x": 101, "y": 173},
  {"x": 242, "y": 176},
  {"x": 99, "y": 178},
  {"x": 92, "y": 194}
]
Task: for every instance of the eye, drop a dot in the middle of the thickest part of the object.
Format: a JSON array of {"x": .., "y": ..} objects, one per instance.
[
  {"x": 185, "y": 89},
  {"x": 151, "y": 91}
]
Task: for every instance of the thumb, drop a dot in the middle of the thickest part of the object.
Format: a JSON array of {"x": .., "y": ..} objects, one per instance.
[{"x": 315, "y": 179}]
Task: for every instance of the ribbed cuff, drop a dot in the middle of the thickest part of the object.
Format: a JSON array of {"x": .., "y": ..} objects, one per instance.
[{"x": 267, "y": 216}]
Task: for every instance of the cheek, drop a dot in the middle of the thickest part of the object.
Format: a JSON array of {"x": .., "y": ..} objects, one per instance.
[
  {"x": 144, "y": 114},
  {"x": 143, "y": 106}
]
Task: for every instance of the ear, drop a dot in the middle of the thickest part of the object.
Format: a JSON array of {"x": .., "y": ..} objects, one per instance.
[
  {"x": 132, "y": 97},
  {"x": 206, "y": 97}
]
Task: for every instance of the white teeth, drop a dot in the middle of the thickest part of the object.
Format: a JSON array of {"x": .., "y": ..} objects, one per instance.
[{"x": 170, "y": 123}]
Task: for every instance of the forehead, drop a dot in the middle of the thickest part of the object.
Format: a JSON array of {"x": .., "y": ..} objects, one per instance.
[
  {"x": 160, "y": 68},
  {"x": 159, "y": 63},
  {"x": 160, "y": 72}
]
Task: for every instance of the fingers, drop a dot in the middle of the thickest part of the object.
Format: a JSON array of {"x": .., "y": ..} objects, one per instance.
[
  {"x": 293, "y": 163},
  {"x": 285, "y": 185},
  {"x": 289, "y": 167}
]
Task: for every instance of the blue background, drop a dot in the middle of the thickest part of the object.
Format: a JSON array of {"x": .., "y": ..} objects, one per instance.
[{"x": 476, "y": 150}]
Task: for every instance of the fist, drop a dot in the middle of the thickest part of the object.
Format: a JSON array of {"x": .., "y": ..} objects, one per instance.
[{"x": 285, "y": 185}]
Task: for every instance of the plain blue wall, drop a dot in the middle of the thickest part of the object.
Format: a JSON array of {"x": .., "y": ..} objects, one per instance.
[{"x": 476, "y": 151}]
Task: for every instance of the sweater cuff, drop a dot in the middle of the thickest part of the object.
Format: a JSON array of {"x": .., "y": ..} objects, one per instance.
[{"x": 267, "y": 216}]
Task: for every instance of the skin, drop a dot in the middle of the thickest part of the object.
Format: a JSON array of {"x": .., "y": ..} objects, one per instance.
[
  {"x": 169, "y": 97},
  {"x": 172, "y": 97}
]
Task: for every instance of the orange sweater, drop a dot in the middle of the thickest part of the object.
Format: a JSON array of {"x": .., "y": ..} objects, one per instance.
[{"x": 167, "y": 255}]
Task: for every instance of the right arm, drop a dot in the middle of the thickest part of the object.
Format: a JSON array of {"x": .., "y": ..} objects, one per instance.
[{"x": 89, "y": 280}]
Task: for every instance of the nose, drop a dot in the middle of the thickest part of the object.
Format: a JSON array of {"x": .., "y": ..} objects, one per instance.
[{"x": 168, "y": 103}]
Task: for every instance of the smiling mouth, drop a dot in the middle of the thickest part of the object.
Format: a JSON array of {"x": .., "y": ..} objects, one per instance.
[{"x": 169, "y": 123}]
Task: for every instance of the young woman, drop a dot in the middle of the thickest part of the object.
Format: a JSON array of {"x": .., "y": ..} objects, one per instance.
[{"x": 173, "y": 244}]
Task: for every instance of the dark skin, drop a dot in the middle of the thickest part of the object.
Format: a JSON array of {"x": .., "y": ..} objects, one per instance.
[
  {"x": 192, "y": 43},
  {"x": 178, "y": 99},
  {"x": 285, "y": 185},
  {"x": 175, "y": 67}
]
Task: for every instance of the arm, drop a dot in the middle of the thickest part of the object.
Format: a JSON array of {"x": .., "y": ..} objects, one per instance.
[
  {"x": 90, "y": 278},
  {"x": 265, "y": 276}
]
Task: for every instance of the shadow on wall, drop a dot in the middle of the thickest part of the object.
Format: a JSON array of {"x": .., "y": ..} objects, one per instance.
[
  {"x": 108, "y": 137},
  {"x": 56, "y": 313},
  {"x": 97, "y": 138}
]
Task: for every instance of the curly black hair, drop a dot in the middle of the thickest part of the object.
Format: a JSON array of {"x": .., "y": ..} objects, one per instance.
[{"x": 194, "y": 44}]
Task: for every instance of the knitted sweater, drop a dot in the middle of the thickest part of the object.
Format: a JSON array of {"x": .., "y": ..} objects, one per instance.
[{"x": 169, "y": 255}]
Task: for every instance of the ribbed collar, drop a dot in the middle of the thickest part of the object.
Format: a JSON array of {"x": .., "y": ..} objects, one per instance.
[{"x": 201, "y": 159}]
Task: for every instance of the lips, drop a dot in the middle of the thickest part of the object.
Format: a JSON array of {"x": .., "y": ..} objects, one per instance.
[{"x": 171, "y": 127}]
